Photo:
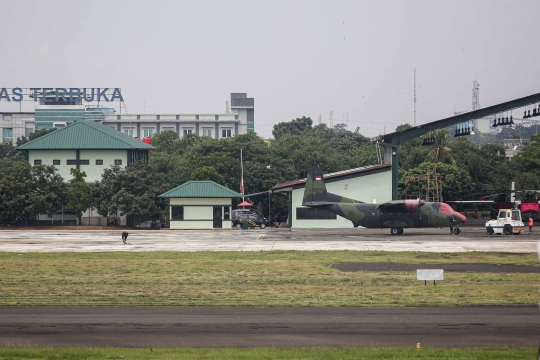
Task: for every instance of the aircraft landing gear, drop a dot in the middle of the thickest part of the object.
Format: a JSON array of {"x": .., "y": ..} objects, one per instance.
[
  {"x": 455, "y": 231},
  {"x": 396, "y": 231}
]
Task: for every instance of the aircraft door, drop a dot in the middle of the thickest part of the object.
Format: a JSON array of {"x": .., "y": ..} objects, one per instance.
[{"x": 433, "y": 218}]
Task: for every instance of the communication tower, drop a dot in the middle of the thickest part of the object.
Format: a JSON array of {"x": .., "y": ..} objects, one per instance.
[
  {"x": 475, "y": 100},
  {"x": 331, "y": 119},
  {"x": 320, "y": 119}
]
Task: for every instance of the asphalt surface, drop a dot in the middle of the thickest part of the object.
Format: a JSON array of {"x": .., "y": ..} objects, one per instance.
[
  {"x": 475, "y": 267},
  {"x": 427, "y": 240},
  {"x": 248, "y": 327}
]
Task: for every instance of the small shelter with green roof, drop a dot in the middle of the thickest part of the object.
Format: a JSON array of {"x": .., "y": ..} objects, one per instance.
[
  {"x": 85, "y": 145},
  {"x": 200, "y": 205}
]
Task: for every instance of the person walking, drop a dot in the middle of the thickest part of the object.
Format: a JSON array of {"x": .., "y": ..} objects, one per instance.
[
  {"x": 531, "y": 223},
  {"x": 124, "y": 237}
]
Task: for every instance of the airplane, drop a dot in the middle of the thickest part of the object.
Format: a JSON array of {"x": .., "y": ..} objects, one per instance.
[{"x": 396, "y": 215}]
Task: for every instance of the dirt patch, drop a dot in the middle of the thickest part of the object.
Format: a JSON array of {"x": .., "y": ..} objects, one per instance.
[{"x": 486, "y": 268}]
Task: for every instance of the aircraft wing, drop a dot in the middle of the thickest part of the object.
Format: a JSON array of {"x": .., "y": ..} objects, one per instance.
[
  {"x": 400, "y": 205},
  {"x": 317, "y": 203}
]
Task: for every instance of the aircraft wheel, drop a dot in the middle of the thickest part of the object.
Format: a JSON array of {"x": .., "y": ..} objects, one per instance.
[
  {"x": 490, "y": 230},
  {"x": 507, "y": 230},
  {"x": 400, "y": 231},
  {"x": 262, "y": 226},
  {"x": 238, "y": 225},
  {"x": 457, "y": 231},
  {"x": 394, "y": 231}
]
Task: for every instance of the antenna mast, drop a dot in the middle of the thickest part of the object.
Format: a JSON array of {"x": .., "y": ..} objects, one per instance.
[
  {"x": 331, "y": 119},
  {"x": 414, "y": 107},
  {"x": 320, "y": 119},
  {"x": 475, "y": 99}
]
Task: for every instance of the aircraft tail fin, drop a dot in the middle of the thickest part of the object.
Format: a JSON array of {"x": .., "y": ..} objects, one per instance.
[{"x": 315, "y": 190}]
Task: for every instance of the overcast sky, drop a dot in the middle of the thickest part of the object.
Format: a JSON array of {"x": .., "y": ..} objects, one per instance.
[{"x": 296, "y": 58}]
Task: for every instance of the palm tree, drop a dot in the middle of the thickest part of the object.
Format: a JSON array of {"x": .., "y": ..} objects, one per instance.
[{"x": 440, "y": 152}]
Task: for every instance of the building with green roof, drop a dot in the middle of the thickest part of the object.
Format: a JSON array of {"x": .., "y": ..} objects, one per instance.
[
  {"x": 85, "y": 145},
  {"x": 200, "y": 205}
]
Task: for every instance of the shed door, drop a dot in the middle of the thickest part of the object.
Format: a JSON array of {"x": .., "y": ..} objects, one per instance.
[{"x": 218, "y": 218}]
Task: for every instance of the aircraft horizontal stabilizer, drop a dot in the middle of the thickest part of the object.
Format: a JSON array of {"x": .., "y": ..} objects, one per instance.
[
  {"x": 395, "y": 224},
  {"x": 400, "y": 205},
  {"x": 317, "y": 203}
]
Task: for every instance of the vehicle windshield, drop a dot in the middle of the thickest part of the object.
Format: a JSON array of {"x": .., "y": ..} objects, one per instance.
[
  {"x": 516, "y": 215},
  {"x": 502, "y": 214}
]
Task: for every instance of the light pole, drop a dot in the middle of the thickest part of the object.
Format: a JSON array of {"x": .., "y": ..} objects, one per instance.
[{"x": 268, "y": 167}]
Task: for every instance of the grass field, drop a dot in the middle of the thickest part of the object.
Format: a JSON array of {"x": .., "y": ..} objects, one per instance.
[
  {"x": 277, "y": 278},
  {"x": 326, "y": 353}
]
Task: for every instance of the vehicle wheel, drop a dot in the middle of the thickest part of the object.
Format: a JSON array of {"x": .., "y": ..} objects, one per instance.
[
  {"x": 262, "y": 226},
  {"x": 489, "y": 230},
  {"x": 396, "y": 231},
  {"x": 400, "y": 231},
  {"x": 457, "y": 231},
  {"x": 507, "y": 230},
  {"x": 238, "y": 225}
]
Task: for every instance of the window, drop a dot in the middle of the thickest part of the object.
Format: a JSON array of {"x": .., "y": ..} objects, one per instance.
[
  {"x": 118, "y": 117},
  {"x": 188, "y": 131},
  {"x": 99, "y": 162},
  {"x": 157, "y": 117},
  {"x": 71, "y": 162},
  {"x": 314, "y": 214},
  {"x": 235, "y": 117},
  {"x": 7, "y": 132},
  {"x": 128, "y": 132},
  {"x": 226, "y": 133},
  {"x": 502, "y": 214},
  {"x": 118, "y": 162},
  {"x": 226, "y": 212},
  {"x": 217, "y": 117},
  {"x": 37, "y": 162},
  {"x": 84, "y": 162},
  {"x": 148, "y": 132},
  {"x": 207, "y": 132},
  {"x": 177, "y": 213},
  {"x": 196, "y": 117},
  {"x": 56, "y": 162},
  {"x": 138, "y": 117},
  {"x": 177, "y": 117}
]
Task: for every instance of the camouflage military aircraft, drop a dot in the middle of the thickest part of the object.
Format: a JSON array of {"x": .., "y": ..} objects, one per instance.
[{"x": 395, "y": 215}]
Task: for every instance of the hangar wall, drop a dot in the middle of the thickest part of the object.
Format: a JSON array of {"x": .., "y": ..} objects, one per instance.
[{"x": 368, "y": 188}]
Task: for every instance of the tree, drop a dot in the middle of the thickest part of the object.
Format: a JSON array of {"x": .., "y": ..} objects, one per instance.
[
  {"x": 133, "y": 190},
  {"x": 34, "y": 135},
  {"x": 166, "y": 141},
  {"x": 79, "y": 194},
  {"x": 294, "y": 127},
  {"x": 30, "y": 190},
  {"x": 208, "y": 173},
  {"x": 528, "y": 159},
  {"x": 440, "y": 152},
  {"x": 456, "y": 183}
]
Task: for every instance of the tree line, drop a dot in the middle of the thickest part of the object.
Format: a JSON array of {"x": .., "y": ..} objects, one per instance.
[{"x": 466, "y": 168}]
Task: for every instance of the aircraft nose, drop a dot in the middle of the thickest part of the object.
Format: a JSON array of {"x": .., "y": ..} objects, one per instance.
[{"x": 462, "y": 217}]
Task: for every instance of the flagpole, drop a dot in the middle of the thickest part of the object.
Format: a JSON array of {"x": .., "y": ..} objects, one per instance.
[{"x": 241, "y": 175}]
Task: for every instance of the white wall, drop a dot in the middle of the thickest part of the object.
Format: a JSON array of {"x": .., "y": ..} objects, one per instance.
[{"x": 364, "y": 188}]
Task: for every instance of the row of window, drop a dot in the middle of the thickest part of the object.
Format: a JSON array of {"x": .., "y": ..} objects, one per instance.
[
  {"x": 205, "y": 132},
  {"x": 314, "y": 214},
  {"x": 158, "y": 117},
  {"x": 177, "y": 212},
  {"x": 81, "y": 162}
]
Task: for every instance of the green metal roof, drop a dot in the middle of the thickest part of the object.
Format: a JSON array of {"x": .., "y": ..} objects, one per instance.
[
  {"x": 85, "y": 135},
  {"x": 200, "y": 189}
]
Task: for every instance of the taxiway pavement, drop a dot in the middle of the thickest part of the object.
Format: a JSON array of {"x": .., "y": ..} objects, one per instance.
[
  {"x": 429, "y": 240},
  {"x": 246, "y": 327}
]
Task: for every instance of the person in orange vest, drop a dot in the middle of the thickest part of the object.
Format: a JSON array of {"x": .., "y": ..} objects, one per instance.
[{"x": 531, "y": 222}]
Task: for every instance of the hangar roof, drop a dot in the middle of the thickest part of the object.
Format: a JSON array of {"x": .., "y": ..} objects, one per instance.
[
  {"x": 339, "y": 175},
  {"x": 200, "y": 189},
  {"x": 85, "y": 135}
]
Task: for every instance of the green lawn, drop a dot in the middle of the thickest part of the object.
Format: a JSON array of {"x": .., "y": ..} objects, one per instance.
[
  {"x": 326, "y": 353},
  {"x": 276, "y": 278}
]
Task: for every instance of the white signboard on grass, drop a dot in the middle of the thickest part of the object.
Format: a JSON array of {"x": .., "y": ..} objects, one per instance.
[{"x": 429, "y": 274}]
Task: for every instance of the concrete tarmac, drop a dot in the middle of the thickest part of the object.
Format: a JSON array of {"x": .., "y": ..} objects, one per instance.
[
  {"x": 247, "y": 327},
  {"x": 429, "y": 240}
]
